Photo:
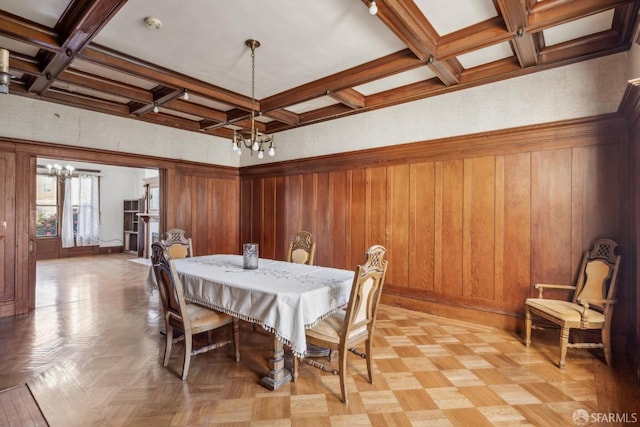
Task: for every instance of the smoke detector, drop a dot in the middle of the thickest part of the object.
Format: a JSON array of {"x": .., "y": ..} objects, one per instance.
[{"x": 152, "y": 23}]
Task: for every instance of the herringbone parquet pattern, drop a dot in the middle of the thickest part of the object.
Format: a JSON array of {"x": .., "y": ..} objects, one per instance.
[{"x": 91, "y": 354}]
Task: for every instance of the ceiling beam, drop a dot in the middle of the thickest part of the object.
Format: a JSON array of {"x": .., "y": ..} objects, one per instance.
[
  {"x": 284, "y": 116},
  {"x": 161, "y": 95},
  {"x": 80, "y": 23},
  {"x": 386, "y": 66},
  {"x": 605, "y": 41},
  {"x": 349, "y": 97},
  {"x": 404, "y": 19},
  {"x": 28, "y": 32},
  {"x": 549, "y": 13},
  {"x": 134, "y": 67},
  {"x": 197, "y": 110},
  {"x": 516, "y": 18},
  {"x": 103, "y": 84}
]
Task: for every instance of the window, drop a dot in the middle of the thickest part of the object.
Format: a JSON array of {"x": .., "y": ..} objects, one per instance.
[
  {"x": 75, "y": 202},
  {"x": 46, "y": 206}
]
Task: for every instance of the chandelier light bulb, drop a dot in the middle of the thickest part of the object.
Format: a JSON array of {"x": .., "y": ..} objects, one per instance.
[
  {"x": 261, "y": 154},
  {"x": 155, "y": 107},
  {"x": 239, "y": 152},
  {"x": 373, "y": 7},
  {"x": 255, "y": 146},
  {"x": 185, "y": 95},
  {"x": 272, "y": 151},
  {"x": 234, "y": 146}
]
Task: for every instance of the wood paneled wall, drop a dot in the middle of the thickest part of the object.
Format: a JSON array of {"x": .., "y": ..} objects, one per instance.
[
  {"x": 630, "y": 107},
  {"x": 203, "y": 201},
  {"x": 469, "y": 223}
]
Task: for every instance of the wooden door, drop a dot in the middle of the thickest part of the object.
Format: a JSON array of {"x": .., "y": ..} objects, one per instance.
[{"x": 7, "y": 234}]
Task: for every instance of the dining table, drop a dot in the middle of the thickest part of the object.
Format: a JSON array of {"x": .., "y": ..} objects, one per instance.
[{"x": 284, "y": 298}]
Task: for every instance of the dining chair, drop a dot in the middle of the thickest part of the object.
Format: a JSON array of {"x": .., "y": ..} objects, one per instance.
[
  {"x": 355, "y": 324},
  {"x": 177, "y": 244},
  {"x": 190, "y": 319},
  {"x": 301, "y": 249},
  {"x": 591, "y": 306}
]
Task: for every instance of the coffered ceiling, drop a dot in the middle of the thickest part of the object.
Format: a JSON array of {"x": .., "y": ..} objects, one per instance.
[{"x": 318, "y": 60}]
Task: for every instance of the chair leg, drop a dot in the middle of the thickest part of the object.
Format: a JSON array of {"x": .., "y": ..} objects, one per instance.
[
  {"x": 527, "y": 327},
  {"x": 606, "y": 344},
  {"x": 369, "y": 357},
  {"x": 294, "y": 367},
  {"x": 236, "y": 339},
  {"x": 168, "y": 344},
  {"x": 564, "y": 342},
  {"x": 343, "y": 373},
  {"x": 188, "y": 338}
]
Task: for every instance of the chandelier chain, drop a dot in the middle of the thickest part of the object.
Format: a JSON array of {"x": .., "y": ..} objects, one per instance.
[{"x": 253, "y": 90}]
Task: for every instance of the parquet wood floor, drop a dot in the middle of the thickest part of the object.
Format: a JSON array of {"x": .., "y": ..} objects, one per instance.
[{"x": 91, "y": 354}]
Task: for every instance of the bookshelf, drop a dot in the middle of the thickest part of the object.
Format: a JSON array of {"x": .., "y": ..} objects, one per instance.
[{"x": 131, "y": 225}]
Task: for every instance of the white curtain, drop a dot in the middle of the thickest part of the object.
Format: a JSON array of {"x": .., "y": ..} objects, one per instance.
[
  {"x": 67, "y": 216},
  {"x": 88, "y": 230}
]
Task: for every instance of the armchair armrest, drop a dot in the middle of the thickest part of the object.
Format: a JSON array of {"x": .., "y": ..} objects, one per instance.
[
  {"x": 587, "y": 301},
  {"x": 541, "y": 286},
  {"x": 584, "y": 318}
]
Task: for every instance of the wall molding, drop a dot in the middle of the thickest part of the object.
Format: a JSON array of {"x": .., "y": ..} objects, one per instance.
[{"x": 571, "y": 133}]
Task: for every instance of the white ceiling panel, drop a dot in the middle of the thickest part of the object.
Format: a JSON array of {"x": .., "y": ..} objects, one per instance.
[
  {"x": 45, "y": 12},
  {"x": 397, "y": 80},
  {"x": 312, "y": 104},
  {"x": 447, "y": 16},
  {"x": 578, "y": 28},
  {"x": 486, "y": 55},
  {"x": 88, "y": 67}
]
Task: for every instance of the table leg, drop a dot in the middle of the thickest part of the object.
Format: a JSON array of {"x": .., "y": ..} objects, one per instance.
[{"x": 278, "y": 375}]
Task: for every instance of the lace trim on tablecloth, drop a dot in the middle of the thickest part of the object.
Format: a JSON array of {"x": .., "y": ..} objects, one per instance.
[{"x": 268, "y": 328}]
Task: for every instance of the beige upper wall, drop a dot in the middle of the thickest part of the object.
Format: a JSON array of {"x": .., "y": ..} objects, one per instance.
[{"x": 578, "y": 90}]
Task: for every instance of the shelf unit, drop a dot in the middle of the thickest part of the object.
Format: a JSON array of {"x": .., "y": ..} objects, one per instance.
[{"x": 131, "y": 225}]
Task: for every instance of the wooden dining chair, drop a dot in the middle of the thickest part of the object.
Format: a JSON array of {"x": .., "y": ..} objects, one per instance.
[
  {"x": 591, "y": 306},
  {"x": 177, "y": 244},
  {"x": 190, "y": 319},
  {"x": 354, "y": 325},
  {"x": 301, "y": 249}
]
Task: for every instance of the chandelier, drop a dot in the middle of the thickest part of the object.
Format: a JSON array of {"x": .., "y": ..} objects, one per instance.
[
  {"x": 60, "y": 172},
  {"x": 5, "y": 77},
  {"x": 255, "y": 141}
]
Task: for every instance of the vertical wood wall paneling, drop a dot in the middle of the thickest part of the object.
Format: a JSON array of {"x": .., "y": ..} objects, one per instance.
[
  {"x": 516, "y": 229},
  {"x": 293, "y": 208},
  {"x": 551, "y": 218},
  {"x": 257, "y": 212},
  {"x": 246, "y": 211},
  {"x": 269, "y": 215},
  {"x": 338, "y": 220},
  {"x": 422, "y": 226},
  {"x": 199, "y": 230},
  {"x": 397, "y": 225},
  {"x": 452, "y": 227},
  {"x": 281, "y": 244},
  {"x": 479, "y": 228},
  {"x": 207, "y": 207},
  {"x": 359, "y": 195},
  {"x": 437, "y": 227},
  {"x": 323, "y": 214},
  {"x": 376, "y": 208},
  {"x": 309, "y": 208}
]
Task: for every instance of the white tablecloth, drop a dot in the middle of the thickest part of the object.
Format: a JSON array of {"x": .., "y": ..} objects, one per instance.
[{"x": 285, "y": 298}]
